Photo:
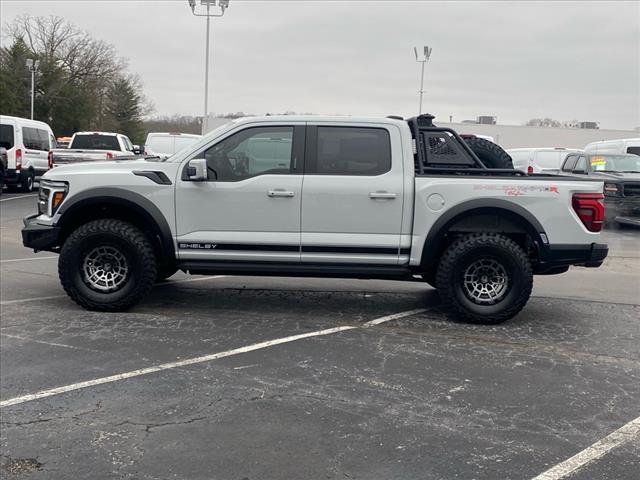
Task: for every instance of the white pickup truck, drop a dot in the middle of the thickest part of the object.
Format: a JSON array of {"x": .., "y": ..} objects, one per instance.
[
  {"x": 95, "y": 147},
  {"x": 382, "y": 198}
]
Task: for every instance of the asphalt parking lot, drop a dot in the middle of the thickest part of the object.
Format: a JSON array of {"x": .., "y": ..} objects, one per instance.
[{"x": 265, "y": 378}]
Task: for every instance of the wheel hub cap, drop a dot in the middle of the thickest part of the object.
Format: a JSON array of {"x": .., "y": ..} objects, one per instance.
[
  {"x": 486, "y": 281},
  {"x": 105, "y": 269}
]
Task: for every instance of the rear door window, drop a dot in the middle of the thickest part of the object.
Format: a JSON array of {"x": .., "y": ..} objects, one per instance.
[
  {"x": 33, "y": 139},
  {"x": 351, "y": 151},
  {"x": 6, "y": 136},
  {"x": 95, "y": 142}
]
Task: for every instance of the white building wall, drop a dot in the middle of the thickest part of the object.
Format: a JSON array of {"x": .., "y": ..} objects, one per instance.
[{"x": 517, "y": 136}]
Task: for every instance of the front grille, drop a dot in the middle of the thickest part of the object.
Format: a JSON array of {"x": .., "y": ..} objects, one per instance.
[{"x": 631, "y": 190}]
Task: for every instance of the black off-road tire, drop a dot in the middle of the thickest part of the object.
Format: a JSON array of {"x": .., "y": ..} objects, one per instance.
[
  {"x": 27, "y": 182},
  {"x": 489, "y": 153},
  {"x": 461, "y": 254},
  {"x": 135, "y": 248}
]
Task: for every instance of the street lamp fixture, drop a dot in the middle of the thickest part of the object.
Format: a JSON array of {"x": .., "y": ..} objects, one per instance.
[
  {"x": 32, "y": 65},
  {"x": 422, "y": 58},
  {"x": 222, "y": 7}
]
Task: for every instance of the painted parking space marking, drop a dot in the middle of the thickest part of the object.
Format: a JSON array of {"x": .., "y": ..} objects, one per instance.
[
  {"x": 52, "y": 344},
  {"x": 625, "y": 434},
  {"x": 19, "y": 197},
  {"x": 202, "y": 359},
  {"x": 170, "y": 282},
  {"x": 29, "y": 259}
]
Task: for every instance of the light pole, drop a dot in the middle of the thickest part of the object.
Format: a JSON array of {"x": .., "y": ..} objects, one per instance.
[
  {"x": 32, "y": 65},
  {"x": 424, "y": 58},
  {"x": 222, "y": 6}
]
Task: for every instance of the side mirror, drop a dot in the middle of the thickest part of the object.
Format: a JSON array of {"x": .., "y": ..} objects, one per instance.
[
  {"x": 580, "y": 172},
  {"x": 137, "y": 149},
  {"x": 197, "y": 170}
]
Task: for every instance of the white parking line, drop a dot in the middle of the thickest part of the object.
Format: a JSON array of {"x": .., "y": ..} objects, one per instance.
[
  {"x": 37, "y": 299},
  {"x": 30, "y": 259},
  {"x": 53, "y": 344},
  {"x": 626, "y": 433},
  {"x": 17, "y": 198},
  {"x": 192, "y": 361}
]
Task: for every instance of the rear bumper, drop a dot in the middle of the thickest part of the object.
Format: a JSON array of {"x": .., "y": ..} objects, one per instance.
[
  {"x": 38, "y": 236},
  {"x": 13, "y": 176},
  {"x": 559, "y": 257}
]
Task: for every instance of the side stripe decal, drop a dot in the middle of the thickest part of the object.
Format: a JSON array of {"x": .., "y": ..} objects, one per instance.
[{"x": 291, "y": 248}]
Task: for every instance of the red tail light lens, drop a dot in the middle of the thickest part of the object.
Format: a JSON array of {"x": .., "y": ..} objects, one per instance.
[
  {"x": 109, "y": 156},
  {"x": 50, "y": 159},
  {"x": 590, "y": 209},
  {"x": 529, "y": 169},
  {"x": 18, "y": 158}
]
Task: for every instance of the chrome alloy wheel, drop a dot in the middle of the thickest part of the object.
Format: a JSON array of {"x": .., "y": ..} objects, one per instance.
[
  {"x": 105, "y": 269},
  {"x": 486, "y": 281}
]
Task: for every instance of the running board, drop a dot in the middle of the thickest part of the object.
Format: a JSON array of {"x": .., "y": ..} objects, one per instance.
[{"x": 319, "y": 270}]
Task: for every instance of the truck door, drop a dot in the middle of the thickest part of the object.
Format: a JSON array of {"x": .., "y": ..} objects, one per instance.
[
  {"x": 249, "y": 209},
  {"x": 352, "y": 195}
]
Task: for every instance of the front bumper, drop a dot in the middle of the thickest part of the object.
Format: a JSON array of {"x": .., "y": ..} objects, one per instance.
[
  {"x": 39, "y": 236},
  {"x": 558, "y": 258},
  {"x": 622, "y": 210}
]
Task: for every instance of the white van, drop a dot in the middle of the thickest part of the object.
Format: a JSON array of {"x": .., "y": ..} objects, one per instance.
[
  {"x": 29, "y": 144},
  {"x": 539, "y": 160},
  {"x": 166, "y": 144},
  {"x": 623, "y": 145}
]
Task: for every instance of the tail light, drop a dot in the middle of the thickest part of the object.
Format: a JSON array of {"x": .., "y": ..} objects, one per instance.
[
  {"x": 109, "y": 156},
  {"x": 590, "y": 209},
  {"x": 529, "y": 169},
  {"x": 50, "y": 159},
  {"x": 18, "y": 158}
]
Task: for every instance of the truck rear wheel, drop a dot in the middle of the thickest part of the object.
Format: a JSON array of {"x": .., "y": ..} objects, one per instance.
[
  {"x": 489, "y": 153},
  {"x": 484, "y": 278},
  {"x": 107, "y": 265}
]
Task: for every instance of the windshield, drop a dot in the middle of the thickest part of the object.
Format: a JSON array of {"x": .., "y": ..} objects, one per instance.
[
  {"x": 615, "y": 163},
  {"x": 204, "y": 139},
  {"x": 95, "y": 141}
]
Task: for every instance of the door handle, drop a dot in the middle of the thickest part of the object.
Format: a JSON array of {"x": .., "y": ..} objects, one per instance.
[
  {"x": 382, "y": 195},
  {"x": 280, "y": 193}
]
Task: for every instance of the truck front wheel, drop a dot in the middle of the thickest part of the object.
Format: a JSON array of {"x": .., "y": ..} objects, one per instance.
[
  {"x": 484, "y": 278},
  {"x": 107, "y": 265}
]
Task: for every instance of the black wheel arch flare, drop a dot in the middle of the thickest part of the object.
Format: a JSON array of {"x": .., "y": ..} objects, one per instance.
[
  {"x": 436, "y": 236},
  {"x": 123, "y": 199}
]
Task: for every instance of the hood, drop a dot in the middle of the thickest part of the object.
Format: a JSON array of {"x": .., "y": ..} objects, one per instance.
[
  {"x": 109, "y": 169},
  {"x": 618, "y": 176}
]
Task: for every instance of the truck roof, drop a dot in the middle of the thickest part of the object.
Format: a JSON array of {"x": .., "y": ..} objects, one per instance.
[
  {"x": 97, "y": 133},
  {"x": 317, "y": 118}
]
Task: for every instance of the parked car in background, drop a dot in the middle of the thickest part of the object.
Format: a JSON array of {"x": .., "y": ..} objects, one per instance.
[
  {"x": 28, "y": 145},
  {"x": 164, "y": 145},
  {"x": 621, "y": 176},
  {"x": 3, "y": 167},
  {"x": 63, "y": 142},
  {"x": 96, "y": 146},
  {"x": 539, "y": 160},
  {"x": 623, "y": 145}
]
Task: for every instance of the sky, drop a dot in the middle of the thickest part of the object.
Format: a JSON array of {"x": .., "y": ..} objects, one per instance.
[{"x": 515, "y": 60}]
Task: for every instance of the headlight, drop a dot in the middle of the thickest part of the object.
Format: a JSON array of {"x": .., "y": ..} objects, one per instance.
[
  {"x": 50, "y": 196},
  {"x": 611, "y": 189}
]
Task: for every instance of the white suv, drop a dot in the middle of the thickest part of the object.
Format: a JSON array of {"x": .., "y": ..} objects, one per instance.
[
  {"x": 28, "y": 144},
  {"x": 539, "y": 160},
  {"x": 166, "y": 144}
]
